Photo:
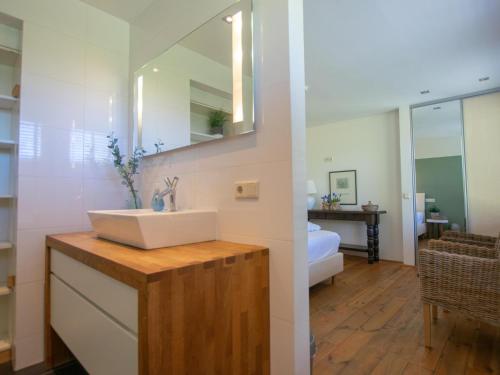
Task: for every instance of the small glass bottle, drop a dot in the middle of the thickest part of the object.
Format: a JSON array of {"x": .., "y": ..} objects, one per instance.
[{"x": 157, "y": 203}]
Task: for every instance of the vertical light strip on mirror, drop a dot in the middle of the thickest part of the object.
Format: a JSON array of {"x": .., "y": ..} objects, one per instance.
[
  {"x": 140, "y": 84},
  {"x": 237, "y": 68}
]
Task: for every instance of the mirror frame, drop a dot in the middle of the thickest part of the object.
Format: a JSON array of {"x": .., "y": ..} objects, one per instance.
[{"x": 137, "y": 130}]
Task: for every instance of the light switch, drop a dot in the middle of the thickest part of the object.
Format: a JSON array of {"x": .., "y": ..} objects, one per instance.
[{"x": 246, "y": 189}]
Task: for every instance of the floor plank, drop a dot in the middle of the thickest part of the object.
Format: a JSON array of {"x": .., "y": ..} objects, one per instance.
[{"x": 370, "y": 322}]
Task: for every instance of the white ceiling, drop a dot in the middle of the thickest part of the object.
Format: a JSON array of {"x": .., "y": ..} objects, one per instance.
[{"x": 368, "y": 56}]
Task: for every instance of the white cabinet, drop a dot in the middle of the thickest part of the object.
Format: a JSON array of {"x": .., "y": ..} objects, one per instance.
[
  {"x": 96, "y": 316},
  {"x": 113, "y": 297}
]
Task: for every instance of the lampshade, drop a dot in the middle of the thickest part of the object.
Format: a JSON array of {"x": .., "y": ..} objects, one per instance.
[{"x": 311, "y": 187}]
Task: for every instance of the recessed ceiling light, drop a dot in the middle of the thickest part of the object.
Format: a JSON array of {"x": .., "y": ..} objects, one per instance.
[
  {"x": 156, "y": 70},
  {"x": 228, "y": 19},
  {"x": 482, "y": 79},
  {"x": 435, "y": 108},
  {"x": 423, "y": 92}
]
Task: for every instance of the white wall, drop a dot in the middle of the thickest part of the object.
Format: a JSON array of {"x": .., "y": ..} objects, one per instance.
[
  {"x": 74, "y": 91},
  {"x": 482, "y": 149},
  {"x": 274, "y": 155},
  {"x": 370, "y": 145}
]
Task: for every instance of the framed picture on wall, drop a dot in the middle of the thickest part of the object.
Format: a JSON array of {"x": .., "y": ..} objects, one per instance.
[{"x": 344, "y": 183}]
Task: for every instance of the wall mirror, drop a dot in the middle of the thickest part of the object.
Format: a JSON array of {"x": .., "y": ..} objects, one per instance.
[
  {"x": 441, "y": 200},
  {"x": 201, "y": 88}
]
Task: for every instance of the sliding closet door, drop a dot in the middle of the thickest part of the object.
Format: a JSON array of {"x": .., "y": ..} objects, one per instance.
[{"x": 482, "y": 149}]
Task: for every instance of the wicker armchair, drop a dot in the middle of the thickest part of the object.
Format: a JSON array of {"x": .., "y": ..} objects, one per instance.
[
  {"x": 460, "y": 277},
  {"x": 469, "y": 238}
]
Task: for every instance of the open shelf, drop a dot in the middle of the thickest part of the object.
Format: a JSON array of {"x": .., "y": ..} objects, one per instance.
[
  {"x": 4, "y": 291},
  {"x": 6, "y": 196},
  {"x": 9, "y": 56},
  {"x": 5, "y": 245},
  {"x": 4, "y": 344},
  {"x": 7, "y": 143},
  {"x": 7, "y": 101}
]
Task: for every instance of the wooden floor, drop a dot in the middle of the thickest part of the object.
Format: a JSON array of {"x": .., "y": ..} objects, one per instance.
[{"x": 370, "y": 322}]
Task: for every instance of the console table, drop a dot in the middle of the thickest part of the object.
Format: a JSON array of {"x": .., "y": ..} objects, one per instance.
[{"x": 372, "y": 220}]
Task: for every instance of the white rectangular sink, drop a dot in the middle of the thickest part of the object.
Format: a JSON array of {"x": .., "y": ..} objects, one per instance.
[{"x": 148, "y": 229}]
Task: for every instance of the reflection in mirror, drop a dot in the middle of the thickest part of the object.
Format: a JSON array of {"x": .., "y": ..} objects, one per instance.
[
  {"x": 439, "y": 168},
  {"x": 200, "y": 89}
]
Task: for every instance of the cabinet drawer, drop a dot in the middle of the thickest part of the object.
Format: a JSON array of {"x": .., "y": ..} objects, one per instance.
[
  {"x": 115, "y": 298},
  {"x": 100, "y": 344}
]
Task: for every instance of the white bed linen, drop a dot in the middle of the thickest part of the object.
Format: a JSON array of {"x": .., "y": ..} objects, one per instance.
[{"x": 322, "y": 244}]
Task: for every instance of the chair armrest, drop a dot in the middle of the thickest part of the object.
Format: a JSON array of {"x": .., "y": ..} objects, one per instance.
[
  {"x": 461, "y": 282},
  {"x": 469, "y": 238},
  {"x": 463, "y": 249}
]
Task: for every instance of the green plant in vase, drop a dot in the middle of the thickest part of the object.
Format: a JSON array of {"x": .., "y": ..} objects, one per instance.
[
  {"x": 127, "y": 169},
  {"x": 216, "y": 121},
  {"x": 435, "y": 212}
]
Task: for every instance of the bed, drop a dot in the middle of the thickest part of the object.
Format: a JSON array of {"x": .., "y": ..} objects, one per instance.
[
  {"x": 324, "y": 258},
  {"x": 420, "y": 214}
]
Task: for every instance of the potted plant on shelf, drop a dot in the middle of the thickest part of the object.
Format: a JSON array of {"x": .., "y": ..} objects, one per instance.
[
  {"x": 216, "y": 121},
  {"x": 435, "y": 212}
]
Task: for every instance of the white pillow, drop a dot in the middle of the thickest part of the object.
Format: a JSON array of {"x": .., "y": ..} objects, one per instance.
[
  {"x": 311, "y": 227},
  {"x": 420, "y": 217}
]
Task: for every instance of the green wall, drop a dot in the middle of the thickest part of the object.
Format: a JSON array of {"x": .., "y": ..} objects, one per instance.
[{"x": 442, "y": 179}]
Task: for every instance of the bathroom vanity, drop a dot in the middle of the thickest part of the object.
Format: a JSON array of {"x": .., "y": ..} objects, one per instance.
[{"x": 192, "y": 309}]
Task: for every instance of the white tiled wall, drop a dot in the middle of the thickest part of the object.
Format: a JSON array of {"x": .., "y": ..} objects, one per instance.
[
  {"x": 275, "y": 156},
  {"x": 74, "y": 92}
]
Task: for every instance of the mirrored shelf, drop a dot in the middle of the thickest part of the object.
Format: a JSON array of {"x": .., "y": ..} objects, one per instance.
[{"x": 201, "y": 137}]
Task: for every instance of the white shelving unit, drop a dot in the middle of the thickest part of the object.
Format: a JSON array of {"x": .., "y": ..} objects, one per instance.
[
  {"x": 10, "y": 74},
  {"x": 7, "y": 143},
  {"x": 7, "y": 102}
]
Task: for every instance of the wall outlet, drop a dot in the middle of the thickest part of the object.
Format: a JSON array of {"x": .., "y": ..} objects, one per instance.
[{"x": 246, "y": 189}]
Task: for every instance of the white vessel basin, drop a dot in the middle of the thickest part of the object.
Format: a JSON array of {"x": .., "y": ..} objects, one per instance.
[{"x": 148, "y": 229}]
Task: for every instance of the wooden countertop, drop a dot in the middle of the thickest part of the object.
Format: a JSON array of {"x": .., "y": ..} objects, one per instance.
[{"x": 137, "y": 267}]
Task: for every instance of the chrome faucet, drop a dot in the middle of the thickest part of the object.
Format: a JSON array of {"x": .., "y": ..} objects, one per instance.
[{"x": 171, "y": 191}]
